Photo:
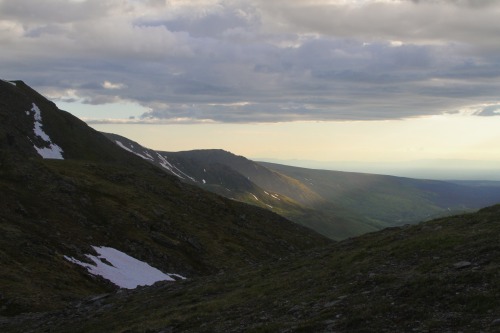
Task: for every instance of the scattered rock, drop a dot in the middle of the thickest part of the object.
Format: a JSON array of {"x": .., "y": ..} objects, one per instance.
[
  {"x": 98, "y": 298},
  {"x": 496, "y": 322},
  {"x": 167, "y": 330},
  {"x": 462, "y": 264},
  {"x": 194, "y": 243},
  {"x": 21, "y": 210},
  {"x": 330, "y": 304}
]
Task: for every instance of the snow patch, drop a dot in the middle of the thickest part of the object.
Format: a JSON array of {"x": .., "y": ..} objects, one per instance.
[
  {"x": 121, "y": 145},
  {"x": 204, "y": 182},
  {"x": 53, "y": 151},
  {"x": 173, "y": 169},
  {"x": 162, "y": 160},
  {"x": 254, "y": 196},
  {"x": 13, "y": 83},
  {"x": 147, "y": 156},
  {"x": 274, "y": 196},
  {"x": 124, "y": 271}
]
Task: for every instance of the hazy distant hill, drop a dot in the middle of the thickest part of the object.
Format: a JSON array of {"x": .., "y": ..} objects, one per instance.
[
  {"x": 336, "y": 204},
  {"x": 67, "y": 192}
]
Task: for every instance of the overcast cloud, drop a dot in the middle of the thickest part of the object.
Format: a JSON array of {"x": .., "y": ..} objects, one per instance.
[{"x": 259, "y": 61}]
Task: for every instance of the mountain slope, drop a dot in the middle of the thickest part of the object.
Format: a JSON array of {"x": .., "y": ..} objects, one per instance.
[
  {"x": 336, "y": 204},
  {"x": 350, "y": 203},
  {"x": 438, "y": 276},
  {"x": 392, "y": 200},
  {"x": 77, "y": 139},
  {"x": 221, "y": 172},
  {"x": 264, "y": 177},
  {"x": 213, "y": 176},
  {"x": 247, "y": 269},
  {"x": 57, "y": 212}
]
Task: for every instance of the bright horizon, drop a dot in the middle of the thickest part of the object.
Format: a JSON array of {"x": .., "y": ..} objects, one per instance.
[
  {"x": 431, "y": 147},
  {"x": 399, "y": 87}
]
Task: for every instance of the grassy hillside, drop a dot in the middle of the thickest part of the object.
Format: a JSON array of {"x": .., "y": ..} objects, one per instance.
[
  {"x": 439, "y": 276},
  {"x": 386, "y": 200},
  {"x": 263, "y": 177},
  {"x": 336, "y": 204},
  {"x": 207, "y": 174},
  {"x": 247, "y": 269},
  {"x": 102, "y": 195}
]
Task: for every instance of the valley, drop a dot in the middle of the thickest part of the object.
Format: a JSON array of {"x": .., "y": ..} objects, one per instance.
[
  {"x": 113, "y": 237},
  {"x": 336, "y": 204}
]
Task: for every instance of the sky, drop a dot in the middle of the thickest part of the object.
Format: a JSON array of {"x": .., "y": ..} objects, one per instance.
[{"x": 388, "y": 86}]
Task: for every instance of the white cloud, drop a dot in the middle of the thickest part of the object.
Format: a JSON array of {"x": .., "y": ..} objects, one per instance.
[{"x": 113, "y": 86}]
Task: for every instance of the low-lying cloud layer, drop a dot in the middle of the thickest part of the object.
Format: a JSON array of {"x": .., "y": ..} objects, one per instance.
[{"x": 259, "y": 61}]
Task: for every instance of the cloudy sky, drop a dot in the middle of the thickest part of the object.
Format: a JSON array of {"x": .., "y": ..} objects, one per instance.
[{"x": 324, "y": 80}]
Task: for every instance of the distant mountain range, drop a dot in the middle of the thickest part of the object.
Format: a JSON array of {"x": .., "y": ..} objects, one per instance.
[
  {"x": 333, "y": 203},
  {"x": 100, "y": 235}
]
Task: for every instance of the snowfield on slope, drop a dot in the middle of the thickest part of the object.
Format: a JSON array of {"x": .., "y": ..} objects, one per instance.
[
  {"x": 51, "y": 152},
  {"x": 124, "y": 271}
]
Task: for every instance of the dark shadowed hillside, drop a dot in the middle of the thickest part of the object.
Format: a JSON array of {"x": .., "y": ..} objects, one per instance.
[
  {"x": 439, "y": 276},
  {"x": 66, "y": 190}
]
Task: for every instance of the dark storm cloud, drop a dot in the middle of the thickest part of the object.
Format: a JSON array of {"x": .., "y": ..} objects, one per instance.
[{"x": 258, "y": 61}]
